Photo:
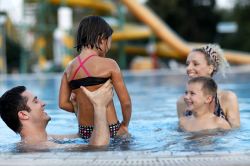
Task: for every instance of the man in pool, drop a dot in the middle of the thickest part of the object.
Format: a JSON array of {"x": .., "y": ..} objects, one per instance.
[{"x": 24, "y": 114}]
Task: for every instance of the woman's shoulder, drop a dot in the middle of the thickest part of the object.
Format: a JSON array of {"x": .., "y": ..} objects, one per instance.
[
  {"x": 180, "y": 100},
  {"x": 228, "y": 95}
]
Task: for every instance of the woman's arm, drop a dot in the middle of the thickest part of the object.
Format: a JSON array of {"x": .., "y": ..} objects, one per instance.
[
  {"x": 64, "y": 95},
  {"x": 122, "y": 94},
  {"x": 231, "y": 108},
  {"x": 181, "y": 107}
]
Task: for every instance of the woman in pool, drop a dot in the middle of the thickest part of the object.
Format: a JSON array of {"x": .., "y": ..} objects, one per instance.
[
  {"x": 207, "y": 61},
  {"x": 91, "y": 69}
]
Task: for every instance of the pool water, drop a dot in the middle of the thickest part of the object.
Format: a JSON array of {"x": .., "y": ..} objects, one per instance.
[{"x": 154, "y": 123}]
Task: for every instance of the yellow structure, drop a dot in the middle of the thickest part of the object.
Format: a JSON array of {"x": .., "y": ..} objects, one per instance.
[
  {"x": 94, "y": 4},
  {"x": 40, "y": 51},
  {"x": 172, "y": 45},
  {"x": 170, "y": 38},
  {"x": 132, "y": 32}
]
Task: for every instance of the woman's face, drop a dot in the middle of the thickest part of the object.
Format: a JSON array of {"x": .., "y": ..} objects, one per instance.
[{"x": 197, "y": 65}]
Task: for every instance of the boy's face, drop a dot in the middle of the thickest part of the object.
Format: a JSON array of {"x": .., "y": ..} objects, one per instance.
[{"x": 194, "y": 96}]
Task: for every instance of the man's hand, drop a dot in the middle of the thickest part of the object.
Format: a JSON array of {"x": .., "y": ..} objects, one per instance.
[{"x": 101, "y": 96}]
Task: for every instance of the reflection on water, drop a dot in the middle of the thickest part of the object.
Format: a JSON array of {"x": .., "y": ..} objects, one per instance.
[
  {"x": 58, "y": 146},
  {"x": 154, "y": 123}
]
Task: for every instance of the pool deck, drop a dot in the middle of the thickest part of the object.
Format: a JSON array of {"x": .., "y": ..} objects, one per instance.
[{"x": 126, "y": 158}]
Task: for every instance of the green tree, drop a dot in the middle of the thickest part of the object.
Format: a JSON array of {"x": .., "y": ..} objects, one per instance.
[
  {"x": 240, "y": 39},
  {"x": 194, "y": 20}
]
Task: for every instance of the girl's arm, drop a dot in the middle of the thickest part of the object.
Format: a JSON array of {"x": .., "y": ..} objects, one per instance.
[
  {"x": 64, "y": 95},
  {"x": 122, "y": 94}
]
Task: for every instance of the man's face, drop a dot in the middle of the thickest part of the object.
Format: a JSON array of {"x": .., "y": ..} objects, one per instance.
[{"x": 37, "y": 114}]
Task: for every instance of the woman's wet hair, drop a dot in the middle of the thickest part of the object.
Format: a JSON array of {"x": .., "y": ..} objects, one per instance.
[
  {"x": 209, "y": 86},
  {"x": 214, "y": 56},
  {"x": 91, "y": 31}
]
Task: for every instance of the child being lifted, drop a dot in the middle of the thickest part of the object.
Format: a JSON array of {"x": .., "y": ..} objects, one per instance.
[{"x": 91, "y": 69}]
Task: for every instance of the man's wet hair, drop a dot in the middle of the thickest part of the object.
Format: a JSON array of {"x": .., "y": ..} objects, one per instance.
[{"x": 11, "y": 102}]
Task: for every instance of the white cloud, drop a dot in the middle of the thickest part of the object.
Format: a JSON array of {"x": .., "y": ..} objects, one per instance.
[
  {"x": 14, "y": 8},
  {"x": 226, "y": 4}
]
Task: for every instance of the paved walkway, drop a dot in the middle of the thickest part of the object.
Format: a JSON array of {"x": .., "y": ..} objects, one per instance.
[{"x": 126, "y": 158}]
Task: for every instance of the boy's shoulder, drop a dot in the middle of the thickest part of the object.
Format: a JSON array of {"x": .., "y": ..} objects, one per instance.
[
  {"x": 187, "y": 123},
  {"x": 186, "y": 120}
]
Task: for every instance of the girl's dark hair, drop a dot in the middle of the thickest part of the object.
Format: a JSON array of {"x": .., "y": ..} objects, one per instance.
[{"x": 90, "y": 32}]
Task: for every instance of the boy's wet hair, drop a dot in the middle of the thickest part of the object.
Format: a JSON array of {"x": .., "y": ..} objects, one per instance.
[
  {"x": 11, "y": 103},
  {"x": 209, "y": 86},
  {"x": 91, "y": 31}
]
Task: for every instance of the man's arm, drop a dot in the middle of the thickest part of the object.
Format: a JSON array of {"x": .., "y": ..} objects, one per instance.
[{"x": 100, "y": 100}]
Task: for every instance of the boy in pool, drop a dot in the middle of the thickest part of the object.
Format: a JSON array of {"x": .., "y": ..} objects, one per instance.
[
  {"x": 91, "y": 69},
  {"x": 200, "y": 92}
]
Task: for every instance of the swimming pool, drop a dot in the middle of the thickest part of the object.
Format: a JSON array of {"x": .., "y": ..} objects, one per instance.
[{"x": 153, "y": 125}]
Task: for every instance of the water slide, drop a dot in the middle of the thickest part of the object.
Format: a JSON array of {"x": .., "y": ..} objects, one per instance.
[
  {"x": 171, "y": 39},
  {"x": 93, "y": 4},
  {"x": 172, "y": 45}
]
